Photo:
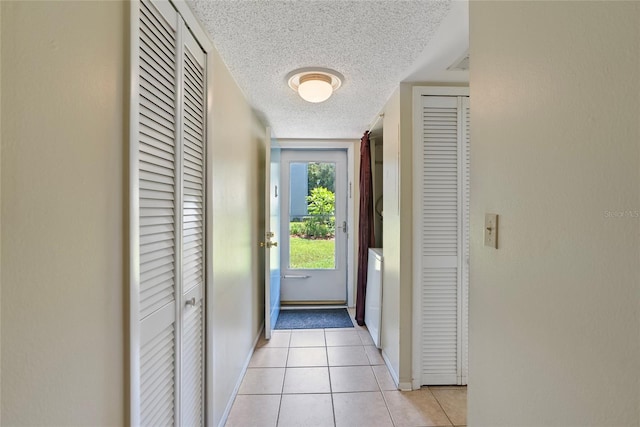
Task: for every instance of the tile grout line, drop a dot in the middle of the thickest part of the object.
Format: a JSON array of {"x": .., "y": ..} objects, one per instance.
[
  {"x": 440, "y": 405},
  {"x": 386, "y": 405},
  {"x": 286, "y": 361},
  {"x": 384, "y": 398},
  {"x": 333, "y": 406}
]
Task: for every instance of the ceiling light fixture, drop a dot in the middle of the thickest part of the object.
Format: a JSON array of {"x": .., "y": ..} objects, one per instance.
[{"x": 314, "y": 84}]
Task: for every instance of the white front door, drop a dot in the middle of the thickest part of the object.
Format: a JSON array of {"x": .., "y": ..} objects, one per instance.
[
  {"x": 272, "y": 234},
  {"x": 314, "y": 230}
]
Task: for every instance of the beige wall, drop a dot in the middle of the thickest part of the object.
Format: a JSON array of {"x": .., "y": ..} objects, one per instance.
[
  {"x": 397, "y": 205},
  {"x": 554, "y": 312},
  {"x": 62, "y": 213},
  {"x": 0, "y": 215},
  {"x": 63, "y": 150},
  {"x": 238, "y": 212},
  {"x": 406, "y": 235},
  {"x": 390, "y": 326},
  {"x": 397, "y": 322}
]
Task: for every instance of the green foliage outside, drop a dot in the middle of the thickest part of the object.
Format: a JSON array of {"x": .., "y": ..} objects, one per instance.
[
  {"x": 321, "y": 175},
  {"x": 312, "y": 238},
  {"x": 322, "y": 205},
  {"x": 321, "y": 222},
  {"x": 313, "y": 254},
  {"x": 297, "y": 229}
]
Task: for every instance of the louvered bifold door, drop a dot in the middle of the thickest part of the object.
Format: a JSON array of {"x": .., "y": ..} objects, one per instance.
[
  {"x": 153, "y": 296},
  {"x": 439, "y": 237},
  {"x": 193, "y": 181},
  {"x": 167, "y": 219}
]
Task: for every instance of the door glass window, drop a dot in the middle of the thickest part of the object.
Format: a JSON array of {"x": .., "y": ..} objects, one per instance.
[{"x": 312, "y": 221}]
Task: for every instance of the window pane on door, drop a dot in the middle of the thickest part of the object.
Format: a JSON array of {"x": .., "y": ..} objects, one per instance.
[{"x": 312, "y": 221}]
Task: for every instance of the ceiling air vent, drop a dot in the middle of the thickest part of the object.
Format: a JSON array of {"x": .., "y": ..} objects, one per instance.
[{"x": 461, "y": 64}]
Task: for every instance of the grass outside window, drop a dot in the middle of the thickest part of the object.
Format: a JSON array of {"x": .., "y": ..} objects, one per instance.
[{"x": 312, "y": 253}]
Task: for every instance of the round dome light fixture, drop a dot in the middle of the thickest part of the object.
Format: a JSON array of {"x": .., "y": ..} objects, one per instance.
[{"x": 314, "y": 84}]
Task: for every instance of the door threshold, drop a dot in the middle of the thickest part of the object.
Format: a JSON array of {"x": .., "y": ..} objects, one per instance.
[{"x": 306, "y": 306}]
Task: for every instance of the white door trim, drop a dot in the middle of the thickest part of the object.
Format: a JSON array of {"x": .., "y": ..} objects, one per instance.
[{"x": 353, "y": 169}]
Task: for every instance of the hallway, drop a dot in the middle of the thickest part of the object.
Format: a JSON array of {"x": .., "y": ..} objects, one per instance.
[{"x": 334, "y": 377}]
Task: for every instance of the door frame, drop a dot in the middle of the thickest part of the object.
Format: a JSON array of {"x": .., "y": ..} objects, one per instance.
[{"x": 353, "y": 170}]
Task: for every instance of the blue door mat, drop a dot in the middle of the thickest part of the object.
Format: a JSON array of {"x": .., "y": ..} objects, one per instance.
[{"x": 314, "y": 319}]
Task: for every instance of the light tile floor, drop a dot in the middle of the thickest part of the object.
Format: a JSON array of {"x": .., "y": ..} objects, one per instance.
[{"x": 335, "y": 378}]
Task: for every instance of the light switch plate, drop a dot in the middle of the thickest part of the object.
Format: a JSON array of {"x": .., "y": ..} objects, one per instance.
[{"x": 491, "y": 230}]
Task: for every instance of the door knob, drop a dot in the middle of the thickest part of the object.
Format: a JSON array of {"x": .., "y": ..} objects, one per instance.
[
  {"x": 272, "y": 244},
  {"x": 191, "y": 302}
]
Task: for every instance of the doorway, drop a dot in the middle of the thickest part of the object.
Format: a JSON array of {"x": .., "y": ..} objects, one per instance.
[{"x": 314, "y": 228}]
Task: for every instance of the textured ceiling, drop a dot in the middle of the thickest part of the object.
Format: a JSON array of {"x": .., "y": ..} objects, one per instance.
[{"x": 372, "y": 43}]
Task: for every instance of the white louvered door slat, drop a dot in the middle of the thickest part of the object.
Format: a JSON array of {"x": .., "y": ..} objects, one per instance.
[
  {"x": 157, "y": 226},
  {"x": 168, "y": 205},
  {"x": 157, "y": 358},
  {"x": 193, "y": 178}
]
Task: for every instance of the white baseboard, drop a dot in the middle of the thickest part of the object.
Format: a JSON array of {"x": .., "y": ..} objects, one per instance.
[
  {"x": 232, "y": 398},
  {"x": 402, "y": 386},
  {"x": 405, "y": 386}
]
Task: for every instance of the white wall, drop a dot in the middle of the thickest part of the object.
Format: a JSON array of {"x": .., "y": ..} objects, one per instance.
[
  {"x": 238, "y": 216},
  {"x": 555, "y": 134},
  {"x": 62, "y": 213}
]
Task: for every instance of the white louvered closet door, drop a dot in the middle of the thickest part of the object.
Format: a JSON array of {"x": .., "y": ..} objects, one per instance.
[
  {"x": 154, "y": 378},
  {"x": 441, "y": 208},
  {"x": 193, "y": 195},
  {"x": 167, "y": 214}
]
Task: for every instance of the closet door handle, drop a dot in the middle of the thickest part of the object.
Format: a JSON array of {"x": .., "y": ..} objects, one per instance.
[{"x": 190, "y": 302}]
